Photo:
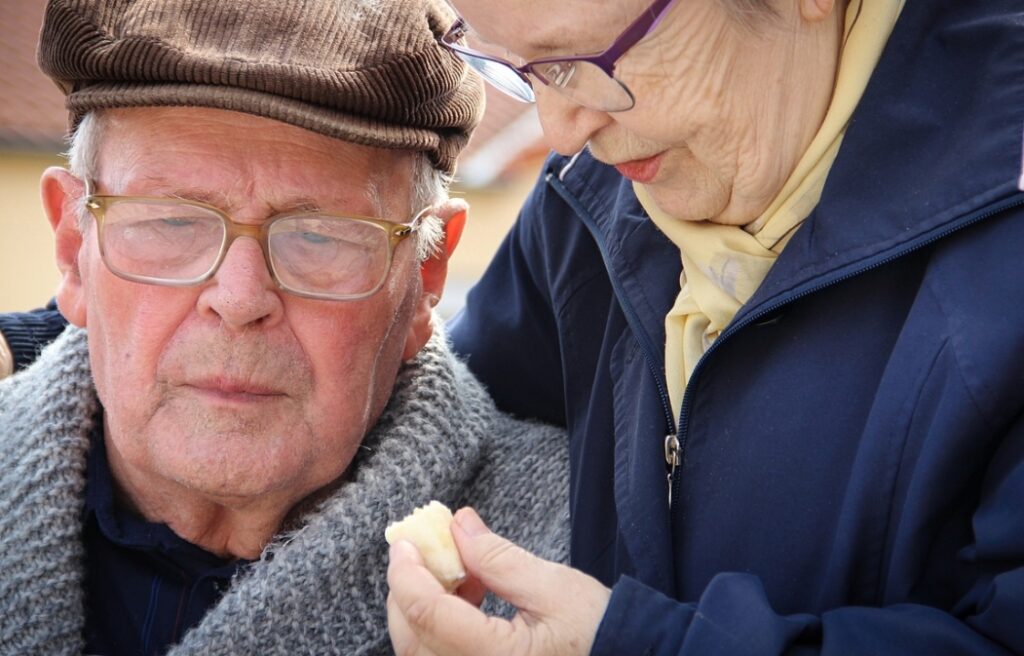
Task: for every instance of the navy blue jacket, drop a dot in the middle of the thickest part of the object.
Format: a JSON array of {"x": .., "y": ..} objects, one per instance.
[
  {"x": 852, "y": 471},
  {"x": 27, "y": 333}
]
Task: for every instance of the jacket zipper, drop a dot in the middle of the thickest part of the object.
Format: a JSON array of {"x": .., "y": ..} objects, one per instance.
[
  {"x": 671, "y": 444},
  {"x": 672, "y": 453}
]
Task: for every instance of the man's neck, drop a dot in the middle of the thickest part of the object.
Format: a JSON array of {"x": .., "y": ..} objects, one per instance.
[{"x": 229, "y": 527}]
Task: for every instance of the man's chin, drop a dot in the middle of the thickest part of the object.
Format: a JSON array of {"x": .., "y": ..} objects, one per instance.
[
  {"x": 231, "y": 478},
  {"x": 230, "y": 454}
]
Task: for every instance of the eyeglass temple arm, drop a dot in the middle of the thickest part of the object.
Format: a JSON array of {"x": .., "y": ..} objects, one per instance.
[{"x": 644, "y": 24}]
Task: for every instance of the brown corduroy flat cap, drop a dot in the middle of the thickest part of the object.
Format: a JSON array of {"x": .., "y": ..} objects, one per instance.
[{"x": 366, "y": 71}]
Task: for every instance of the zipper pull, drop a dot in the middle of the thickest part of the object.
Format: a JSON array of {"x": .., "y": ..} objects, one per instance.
[{"x": 672, "y": 460}]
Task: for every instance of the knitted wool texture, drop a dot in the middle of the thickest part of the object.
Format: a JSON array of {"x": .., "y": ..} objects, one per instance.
[
  {"x": 320, "y": 586},
  {"x": 368, "y": 72}
]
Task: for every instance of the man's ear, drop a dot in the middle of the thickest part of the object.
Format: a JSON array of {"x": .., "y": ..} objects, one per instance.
[
  {"x": 434, "y": 272},
  {"x": 61, "y": 194}
]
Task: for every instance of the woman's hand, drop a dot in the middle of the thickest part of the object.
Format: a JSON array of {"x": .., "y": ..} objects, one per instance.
[{"x": 559, "y": 607}]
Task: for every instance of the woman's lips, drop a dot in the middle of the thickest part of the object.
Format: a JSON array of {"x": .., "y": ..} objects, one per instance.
[{"x": 641, "y": 170}]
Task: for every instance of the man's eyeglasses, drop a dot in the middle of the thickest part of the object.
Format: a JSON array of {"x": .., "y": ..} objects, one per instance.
[
  {"x": 174, "y": 242},
  {"x": 588, "y": 80}
]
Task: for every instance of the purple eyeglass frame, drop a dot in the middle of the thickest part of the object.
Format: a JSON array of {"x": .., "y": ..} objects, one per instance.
[{"x": 644, "y": 24}]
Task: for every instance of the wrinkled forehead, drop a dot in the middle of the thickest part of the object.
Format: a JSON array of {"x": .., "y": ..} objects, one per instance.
[
  {"x": 229, "y": 158},
  {"x": 536, "y": 28}
]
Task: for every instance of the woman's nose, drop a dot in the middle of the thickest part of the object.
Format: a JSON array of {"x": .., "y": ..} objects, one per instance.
[{"x": 567, "y": 125}]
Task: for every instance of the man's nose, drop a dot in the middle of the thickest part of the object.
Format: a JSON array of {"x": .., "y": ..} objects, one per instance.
[
  {"x": 242, "y": 293},
  {"x": 568, "y": 126}
]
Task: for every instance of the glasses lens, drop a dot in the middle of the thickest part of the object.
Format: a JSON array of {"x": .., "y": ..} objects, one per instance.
[
  {"x": 329, "y": 256},
  {"x": 584, "y": 83},
  {"x": 168, "y": 241},
  {"x": 501, "y": 75},
  {"x": 489, "y": 60}
]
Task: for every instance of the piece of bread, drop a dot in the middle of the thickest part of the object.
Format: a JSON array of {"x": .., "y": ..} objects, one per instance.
[{"x": 428, "y": 528}]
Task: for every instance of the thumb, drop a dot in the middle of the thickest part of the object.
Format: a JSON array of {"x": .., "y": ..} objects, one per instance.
[{"x": 508, "y": 570}]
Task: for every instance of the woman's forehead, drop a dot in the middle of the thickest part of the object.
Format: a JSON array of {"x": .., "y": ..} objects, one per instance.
[{"x": 536, "y": 28}]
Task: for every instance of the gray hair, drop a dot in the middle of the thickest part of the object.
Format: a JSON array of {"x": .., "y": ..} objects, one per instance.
[
  {"x": 429, "y": 186},
  {"x": 429, "y": 189}
]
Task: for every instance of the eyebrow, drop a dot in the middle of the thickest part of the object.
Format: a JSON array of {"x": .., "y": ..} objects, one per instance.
[
  {"x": 221, "y": 201},
  {"x": 542, "y": 49}
]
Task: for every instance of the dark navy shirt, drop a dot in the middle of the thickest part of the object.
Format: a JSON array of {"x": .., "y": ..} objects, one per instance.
[{"x": 145, "y": 586}]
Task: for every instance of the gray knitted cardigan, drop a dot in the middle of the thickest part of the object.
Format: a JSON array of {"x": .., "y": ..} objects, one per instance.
[{"x": 320, "y": 587}]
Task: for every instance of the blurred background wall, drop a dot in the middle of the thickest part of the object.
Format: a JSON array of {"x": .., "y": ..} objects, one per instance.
[{"x": 496, "y": 172}]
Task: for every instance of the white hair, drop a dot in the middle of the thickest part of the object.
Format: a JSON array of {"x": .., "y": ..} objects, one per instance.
[
  {"x": 428, "y": 185},
  {"x": 84, "y": 152},
  {"x": 429, "y": 189}
]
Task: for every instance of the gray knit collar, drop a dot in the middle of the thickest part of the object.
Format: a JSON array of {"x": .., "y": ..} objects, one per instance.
[{"x": 331, "y": 566}]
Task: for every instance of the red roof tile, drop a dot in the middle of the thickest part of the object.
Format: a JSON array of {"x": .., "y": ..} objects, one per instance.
[{"x": 32, "y": 112}]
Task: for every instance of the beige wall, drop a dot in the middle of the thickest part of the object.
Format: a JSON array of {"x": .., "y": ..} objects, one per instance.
[
  {"x": 26, "y": 253},
  {"x": 491, "y": 213},
  {"x": 28, "y": 275}
]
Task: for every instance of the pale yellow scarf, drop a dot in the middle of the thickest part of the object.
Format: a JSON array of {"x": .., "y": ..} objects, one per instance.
[{"x": 724, "y": 265}]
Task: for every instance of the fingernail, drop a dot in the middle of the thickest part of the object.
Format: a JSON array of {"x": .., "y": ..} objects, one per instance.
[
  {"x": 404, "y": 549},
  {"x": 470, "y": 522}
]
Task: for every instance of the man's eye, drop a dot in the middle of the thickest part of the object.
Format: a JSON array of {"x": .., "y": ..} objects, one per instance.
[
  {"x": 315, "y": 238},
  {"x": 177, "y": 222}
]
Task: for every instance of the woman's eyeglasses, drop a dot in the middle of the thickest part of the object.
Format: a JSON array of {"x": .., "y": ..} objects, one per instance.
[{"x": 588, "y": 80}]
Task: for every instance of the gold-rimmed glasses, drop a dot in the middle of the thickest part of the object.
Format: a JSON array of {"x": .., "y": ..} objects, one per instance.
[{"x": 175, "y": 242}]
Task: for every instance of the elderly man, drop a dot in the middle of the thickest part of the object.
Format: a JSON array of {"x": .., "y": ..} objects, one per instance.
[{"x": 251, "y": 235}]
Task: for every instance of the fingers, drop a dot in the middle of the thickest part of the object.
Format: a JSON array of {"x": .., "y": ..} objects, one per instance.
[
  {"x": 562, "y": 604},
  {"x": 560, "y": 608},
  {"x": 423, "y": 619},
  {"x": 511, "y": 572},
  {"x": 404, "y": 640},
  {"x": 472, "y": 590}
]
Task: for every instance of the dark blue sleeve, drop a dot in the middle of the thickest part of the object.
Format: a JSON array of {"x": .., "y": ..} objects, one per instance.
[
  {"x": 734, "y": 616},
  {"x": 28, "y": 332},
  {"x": 507, "y": 333}
]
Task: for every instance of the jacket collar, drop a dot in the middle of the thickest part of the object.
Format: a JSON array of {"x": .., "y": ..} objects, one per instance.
[{"x": 935, "y": 142}]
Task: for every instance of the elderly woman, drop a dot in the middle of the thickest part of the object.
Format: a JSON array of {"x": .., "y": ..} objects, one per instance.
[{"x": 772, "y": 288}]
